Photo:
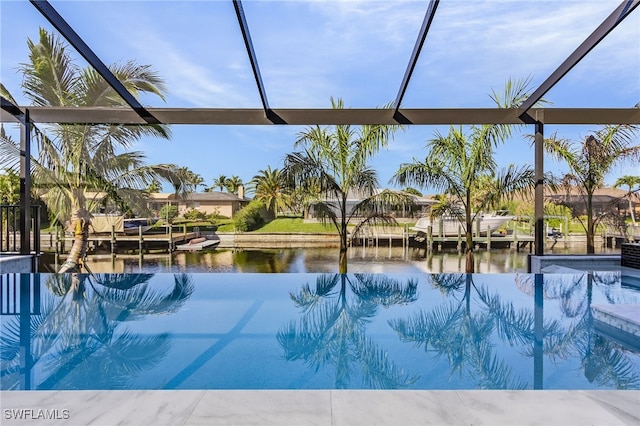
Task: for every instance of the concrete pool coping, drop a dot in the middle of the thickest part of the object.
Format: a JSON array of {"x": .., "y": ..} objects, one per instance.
[{"x": 321, "y": 407}]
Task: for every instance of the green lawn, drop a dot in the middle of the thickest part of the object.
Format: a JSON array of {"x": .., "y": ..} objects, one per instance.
[{"x": 295, "y": 225}]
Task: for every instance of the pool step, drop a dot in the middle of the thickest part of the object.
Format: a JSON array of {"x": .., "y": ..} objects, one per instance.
[{"x": 620, "y": 323}]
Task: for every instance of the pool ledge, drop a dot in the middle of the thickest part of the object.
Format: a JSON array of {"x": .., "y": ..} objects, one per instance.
[
  {"x": 620, "y": 323},
  {"x": 322, "y": 407}
]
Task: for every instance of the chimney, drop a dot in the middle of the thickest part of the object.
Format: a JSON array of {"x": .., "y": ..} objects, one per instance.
[{"x": 241, "y": 191}]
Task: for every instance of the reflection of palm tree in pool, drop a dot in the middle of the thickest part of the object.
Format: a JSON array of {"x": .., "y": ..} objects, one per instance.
[
  {"x": 464, "y": 337},
  {"x": 79, "y": 340},
  {"x": 602, "y": 361},
  {"x": 332, "y": 329}
]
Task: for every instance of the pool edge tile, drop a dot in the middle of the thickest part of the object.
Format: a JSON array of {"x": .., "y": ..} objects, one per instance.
[
  {"x": 549, "y": 407},
  {"x": 255, "y": 407},
  {"x": 398, "y": 407}
]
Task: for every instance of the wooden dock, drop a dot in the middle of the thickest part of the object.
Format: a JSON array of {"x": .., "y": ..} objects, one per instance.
[
  {"x": 125, "y": 243},
  {"x": 515, "y": 241},
  {"x": 392, "y": 235}
]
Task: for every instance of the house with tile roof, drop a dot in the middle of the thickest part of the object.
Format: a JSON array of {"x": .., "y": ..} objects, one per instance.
[{"x": 221, "y": 203}]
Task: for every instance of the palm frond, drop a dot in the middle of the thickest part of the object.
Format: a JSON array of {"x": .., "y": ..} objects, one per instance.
[
  {"x": 378, "y": 371},
  {"x": 384, "y": 290}
]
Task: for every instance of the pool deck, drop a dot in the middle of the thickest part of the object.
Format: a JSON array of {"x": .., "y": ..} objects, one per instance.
[{"x": 323, "y": 407}]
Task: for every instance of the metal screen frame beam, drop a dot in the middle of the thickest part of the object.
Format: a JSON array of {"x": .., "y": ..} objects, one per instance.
[
  {"x": 417, "y": 48},
  {"x": 253, "y": 59},
  {"x": 255, "y": 116},
  {"x": 621, "y": 12},
  {"x": 81, "y": 47},
  {"x": 11, "y": 110}
]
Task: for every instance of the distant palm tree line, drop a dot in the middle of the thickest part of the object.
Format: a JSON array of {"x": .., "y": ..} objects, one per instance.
[{"x": 221, "y": 183}]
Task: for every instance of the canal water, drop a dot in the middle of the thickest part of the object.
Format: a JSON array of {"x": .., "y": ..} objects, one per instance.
[{"x": 314, "y": 260}]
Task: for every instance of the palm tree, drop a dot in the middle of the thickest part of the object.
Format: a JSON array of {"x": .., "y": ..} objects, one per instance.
[
  {"x": 335, "y": 163},
  {"x": 232, "y": 184},
  {"x": 590, "y": 161},
  {"x": 82, "y": 158},
  {"x": 463, "y": 166},
  {"x": 186, "y": 180},
  {"x": 269, "y": 187},
  {"x": 220, "y": 182},
  {"x": 154, "y": 187},
  {"x": 630, "y": 182},
  {"x": 455, "y": 165}
]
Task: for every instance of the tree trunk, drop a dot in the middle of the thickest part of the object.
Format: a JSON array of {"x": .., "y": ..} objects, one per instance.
[
  {"x": 80, "y": 221},
  {"x": 591, "y": 243},
  {"x": 343, "y": 250},
  {"x": 470, "y": 267},
  {"x": 591, "y": 229},
  {"x": 343, "y": 260},
  {"x": 343, "y": 236}
]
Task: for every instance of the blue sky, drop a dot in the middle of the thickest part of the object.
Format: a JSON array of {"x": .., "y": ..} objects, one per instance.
[{"x": 309, "y": 51}]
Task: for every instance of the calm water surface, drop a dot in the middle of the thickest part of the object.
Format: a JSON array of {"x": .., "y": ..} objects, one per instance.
[
  {"x": 314, "y": 260},
  {"x": 313, "y": 331}
]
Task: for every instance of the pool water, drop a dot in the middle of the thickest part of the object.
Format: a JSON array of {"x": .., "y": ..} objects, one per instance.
[{"x": 312, "y": 331}]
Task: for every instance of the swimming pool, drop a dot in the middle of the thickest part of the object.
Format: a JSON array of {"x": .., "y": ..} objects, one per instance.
[{"x": 312, "y": 331}]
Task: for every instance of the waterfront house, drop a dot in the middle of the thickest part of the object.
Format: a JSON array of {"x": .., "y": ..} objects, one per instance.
[{"x": 220, "y": 203}]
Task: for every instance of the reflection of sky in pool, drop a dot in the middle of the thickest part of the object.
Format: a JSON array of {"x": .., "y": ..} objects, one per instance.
[{"x": 312, "y": 331}]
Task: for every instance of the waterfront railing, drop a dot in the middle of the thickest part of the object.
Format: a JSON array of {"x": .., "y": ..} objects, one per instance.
[{"x": 10, "y": 232}]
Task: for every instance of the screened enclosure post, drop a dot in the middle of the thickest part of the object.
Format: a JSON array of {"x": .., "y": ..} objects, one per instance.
[
  {"x": 25, "y": 331},
  {"x": 538, "y": 346},
  {"x": 539, "y": 190},
  {"x": 25, "y": 185}
]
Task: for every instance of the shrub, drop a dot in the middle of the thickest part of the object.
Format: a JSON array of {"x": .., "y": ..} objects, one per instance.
[
  {"x": 251, "y": 217},
  {"x": 194, "y": 215},
  {"x": 168, "y": 212},
  {"x": 214, "y": 217}
]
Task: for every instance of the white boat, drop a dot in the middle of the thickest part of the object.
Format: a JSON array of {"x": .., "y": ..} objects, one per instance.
[
  {"x": 198, "y": 244},
  {"x": 448, "y": 226},
  {"x": 131, "y": 226}
]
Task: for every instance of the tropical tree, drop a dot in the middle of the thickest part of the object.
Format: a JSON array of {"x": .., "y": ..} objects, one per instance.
[
  {"x": 185, "y": 180},
  {"x": 76, "y": 159},
  {"x": 412, "y": 191},
  {"x": 232, "y": 184},
  {"x": 589, "y": 162},
  {"x": 455, "y": 164},
  {"x": 9, "y": 187},
  {"x": 154, "y": 187},
  {"x": 630, "y": 182},
  {"x": 334, "y": 162},
  {"x": 463, "y": 167},
  {"x": 302, "y": 199},
  {"x": 269, "y": 187},
  {"x": 220, "y": 182}
]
